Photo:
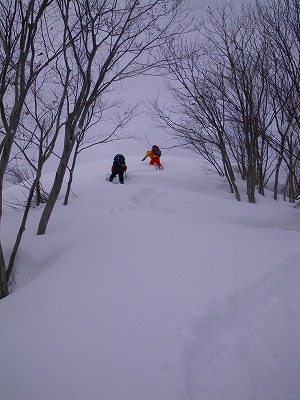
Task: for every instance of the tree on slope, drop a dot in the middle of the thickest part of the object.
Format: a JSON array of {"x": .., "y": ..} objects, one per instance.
[
  {"x": 23, "y": 57},
  {"x": 110, "y": 41},
  {"x": 34, "y": 141},
  {"x": 279, "y": 22},
  {"x": 223, "y": 88},
  {"x": 87, "y": 138},
  {"x": 196, "y": 115}
]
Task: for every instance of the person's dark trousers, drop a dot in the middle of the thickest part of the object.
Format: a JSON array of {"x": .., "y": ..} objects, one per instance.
[{"x": 115, "y": 173}]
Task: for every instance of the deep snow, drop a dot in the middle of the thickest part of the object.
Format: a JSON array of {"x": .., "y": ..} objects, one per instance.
[{"x": 165, "y": 288}]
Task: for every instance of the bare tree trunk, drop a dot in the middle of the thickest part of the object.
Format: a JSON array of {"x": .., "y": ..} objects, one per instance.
[
  {"x": 276, "y": 183},
  {"x": 71, "y": 173},
  {"x": 289, "y": 189},
  {"x": 57, "y": 185},
  {"x": 250, "y": 186},
  {"x": 3, "y": 279},
  {"x": 20, "y": 24},
  {"x": 3, "y": 165},
  {"x": 22, "y": 226},
  {"x": 251, "y": 171},
  {"x": 231, "y": 178}
]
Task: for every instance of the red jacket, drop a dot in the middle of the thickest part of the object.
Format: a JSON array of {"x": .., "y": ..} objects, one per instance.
[{"x": 113, "y": 168}]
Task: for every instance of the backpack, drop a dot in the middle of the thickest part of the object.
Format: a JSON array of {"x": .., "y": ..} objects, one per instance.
[
  {"x": 119, "y": 161},
  {"x": 156, "y": 150}
]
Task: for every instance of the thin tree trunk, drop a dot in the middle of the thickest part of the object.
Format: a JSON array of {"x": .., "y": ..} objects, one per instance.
[
  {"x": 38, "y": 194},
  {"x": 3, "y": 165},
  {"x": 230, "y": 174},
  {"x": 251, "y": 182},
  {"x": 22, "y": 226},
  {"x": 71, "y": 175},
  {"x": 58, "y": 181},
  {"x": 3, "y": 279},
  {"x": 276, "y": 183},
  {"x": 251, "y": 170}
]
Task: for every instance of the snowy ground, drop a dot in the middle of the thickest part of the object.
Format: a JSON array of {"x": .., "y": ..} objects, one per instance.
[{"x": 165, "y": 288}]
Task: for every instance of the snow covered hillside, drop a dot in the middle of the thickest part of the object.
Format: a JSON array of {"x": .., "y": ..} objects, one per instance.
[{"x": 164, "y": 288}]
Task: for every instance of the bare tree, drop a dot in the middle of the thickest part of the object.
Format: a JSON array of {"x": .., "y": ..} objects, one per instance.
[
  {"x": 241, "y": 50},
  {"x": 196, "y": 116},
  {"x": 35, "y": 140},
  {"x": 88, "y": 138},
  {"x": 279, "y": 23},
  {"x": 220, "y": 85},
  {"x": 110, "y": 41},
  {"x": 23, "y": 57}
]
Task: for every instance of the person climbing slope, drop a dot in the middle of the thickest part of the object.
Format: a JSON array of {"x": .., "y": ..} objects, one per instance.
[
  {"x": 154, "y": 155},
  {"x": 118, "y": 168}
]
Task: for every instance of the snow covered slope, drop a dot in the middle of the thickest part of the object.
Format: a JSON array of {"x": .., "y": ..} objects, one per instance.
[{"x": 165, "y": 288}]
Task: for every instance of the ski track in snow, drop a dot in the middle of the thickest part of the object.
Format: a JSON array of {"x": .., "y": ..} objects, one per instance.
[{"x": 239, "y": 346}]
